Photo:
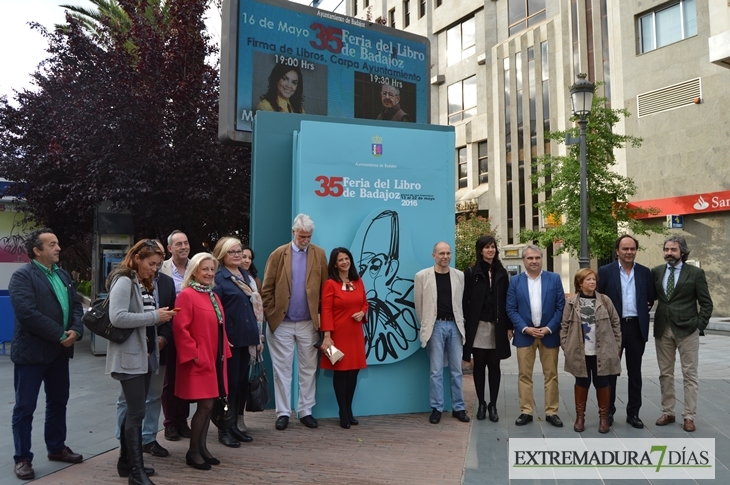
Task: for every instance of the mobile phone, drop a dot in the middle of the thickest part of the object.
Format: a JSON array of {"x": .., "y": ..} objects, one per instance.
[{"x": 176, "y": 309}]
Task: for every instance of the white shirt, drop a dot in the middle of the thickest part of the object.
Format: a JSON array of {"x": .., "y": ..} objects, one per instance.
[
  {"x": 534, "y": 289},
  {"x": 628, "y": 292}
]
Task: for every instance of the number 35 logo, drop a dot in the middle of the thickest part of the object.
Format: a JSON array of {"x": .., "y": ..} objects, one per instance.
[{"x": 329, "y": 186}]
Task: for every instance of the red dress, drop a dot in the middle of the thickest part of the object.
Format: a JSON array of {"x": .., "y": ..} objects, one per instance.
[
  {"x": 338, "y": 306},
  {"x": 195, "y": 329}
]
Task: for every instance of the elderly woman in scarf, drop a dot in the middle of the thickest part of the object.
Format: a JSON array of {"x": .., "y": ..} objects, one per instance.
[{"x": 244, "y": 316}]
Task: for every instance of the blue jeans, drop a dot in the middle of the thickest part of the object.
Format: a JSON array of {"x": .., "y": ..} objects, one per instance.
[
  {"x": 151, "y": 423},
  {"x": 27, "y": 380},
  {"x": 445, "y": 338}
]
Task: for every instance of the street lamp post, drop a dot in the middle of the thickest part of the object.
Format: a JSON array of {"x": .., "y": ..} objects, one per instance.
[{"x": 581, "y": 95}]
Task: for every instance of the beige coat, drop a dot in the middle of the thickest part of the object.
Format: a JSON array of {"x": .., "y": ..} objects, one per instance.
[
  {"x": 424, "y": 289},
  {"x": 608, "y": 338},
  {"x": 276, "y": 291}
]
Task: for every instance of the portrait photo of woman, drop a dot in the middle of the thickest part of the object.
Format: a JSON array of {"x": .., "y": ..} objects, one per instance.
[
  {"x": 285, "y": 91},
  {"x": 288, "y": 84}
]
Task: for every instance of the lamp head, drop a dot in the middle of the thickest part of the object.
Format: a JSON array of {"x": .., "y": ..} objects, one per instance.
[{"x": 581, "y": 95}]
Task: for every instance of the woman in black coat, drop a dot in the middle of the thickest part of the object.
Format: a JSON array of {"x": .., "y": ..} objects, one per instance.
[{"x": 488, "y": 329}]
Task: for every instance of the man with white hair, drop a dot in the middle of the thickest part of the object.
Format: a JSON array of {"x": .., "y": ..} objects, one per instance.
[{"x": 295, "y": 273}]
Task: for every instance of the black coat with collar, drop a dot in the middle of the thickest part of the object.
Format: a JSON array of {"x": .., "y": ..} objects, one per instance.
[
  {"x": 39, "y": 316},
  {"x": 166, "y": 298},
  {"x": 475, "y": 290}
]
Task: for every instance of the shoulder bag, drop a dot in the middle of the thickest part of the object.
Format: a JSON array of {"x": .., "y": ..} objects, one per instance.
[{"x": 98, "y": 323}]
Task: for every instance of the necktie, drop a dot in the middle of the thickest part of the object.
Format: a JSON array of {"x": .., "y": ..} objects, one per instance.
[{"x": 670, "y": 282}]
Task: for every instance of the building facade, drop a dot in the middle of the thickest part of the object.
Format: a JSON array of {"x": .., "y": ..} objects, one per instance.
[{"x": 500, "y": 75}]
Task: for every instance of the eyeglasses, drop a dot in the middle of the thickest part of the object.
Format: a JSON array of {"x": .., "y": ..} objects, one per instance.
[
  {"x": 348, "y": 287},
  {"x": 234, "y": 253}
]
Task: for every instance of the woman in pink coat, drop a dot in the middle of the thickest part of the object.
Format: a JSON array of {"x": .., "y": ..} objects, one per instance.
[{"x": 198, "y": 326}]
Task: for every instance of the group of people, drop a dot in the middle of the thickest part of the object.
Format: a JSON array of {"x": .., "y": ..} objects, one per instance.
[
  {"x": 219, "y": 306},
  {"x": 475, "y": 315},
  {"x": 217, "y": 332}
]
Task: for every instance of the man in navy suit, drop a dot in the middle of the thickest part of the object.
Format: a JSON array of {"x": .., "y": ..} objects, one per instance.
[
  {"x": 535, "y": 302},
  {"x": 47, "y": 325},
  {"x": 631, "y": 289}
]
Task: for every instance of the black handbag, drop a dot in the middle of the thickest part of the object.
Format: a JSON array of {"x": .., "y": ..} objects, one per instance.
[
  {"x": 97, "y": 321},
  {"x": 258, "y": 389},
  {"x": 222, "y": 416}
]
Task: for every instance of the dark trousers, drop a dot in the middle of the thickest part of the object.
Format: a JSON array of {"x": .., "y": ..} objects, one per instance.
[
  {"x": 633, "y": 345},
  {"x": 176, "y": 410},
  {"x": 135, "y": 393},
  {"x": 598, "y": 381},
  {"x": 238, "y": 366},
  {"x": 27, "y": 380}
]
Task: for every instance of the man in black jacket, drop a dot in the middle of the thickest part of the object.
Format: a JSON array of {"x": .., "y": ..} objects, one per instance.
[
  {"x": 630, "y": 287},
  {"x": 47, "y": 324}
]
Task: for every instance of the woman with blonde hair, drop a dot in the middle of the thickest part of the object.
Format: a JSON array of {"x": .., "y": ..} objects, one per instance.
[
  {"x": 590, "y": 336},
  {"x": 202, "y": 352},
  {"x": 236, "y": 289}
]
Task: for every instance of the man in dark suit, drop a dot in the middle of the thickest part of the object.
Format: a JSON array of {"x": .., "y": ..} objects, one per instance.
[
  {"x": 680, "y": 289},
  {"x": 47, "y": 324},
  {"x": 630, "y": 287},
  {"x": 535, "y": 302}
]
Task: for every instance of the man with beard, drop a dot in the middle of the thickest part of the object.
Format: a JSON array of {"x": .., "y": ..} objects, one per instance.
[
  {"x": 390, "y": 97},
  {"x": 680, "y": 289}
]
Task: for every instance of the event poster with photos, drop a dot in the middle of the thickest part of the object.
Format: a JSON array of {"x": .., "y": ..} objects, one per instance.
[
  {"x": 386, "y": 194},
  {"x": 303, "y": 60}
]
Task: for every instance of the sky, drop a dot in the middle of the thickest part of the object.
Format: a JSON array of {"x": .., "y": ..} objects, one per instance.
[{"x": 23, "y": 48}]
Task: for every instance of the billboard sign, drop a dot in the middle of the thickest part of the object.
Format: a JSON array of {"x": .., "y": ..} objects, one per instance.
[{"x": 282, "y": 56}]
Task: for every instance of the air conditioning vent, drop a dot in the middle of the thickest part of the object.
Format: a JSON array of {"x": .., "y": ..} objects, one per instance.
[{"x": 670, "y": 97}]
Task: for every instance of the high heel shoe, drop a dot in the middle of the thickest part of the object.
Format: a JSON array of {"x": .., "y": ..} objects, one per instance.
[
  {"x": 482, "y": 411},
  {"x": 210, "y": 459},
  {"x": 198, "y": 466},
  {"x": 345, "y": 423},
  {"x": 353, "y": 421}
]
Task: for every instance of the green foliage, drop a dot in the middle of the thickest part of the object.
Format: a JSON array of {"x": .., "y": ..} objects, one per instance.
[
  {"x": 84, "y": 287},
  {"x": 469, "y": 227},
  {"x": 608, "y": 191}
]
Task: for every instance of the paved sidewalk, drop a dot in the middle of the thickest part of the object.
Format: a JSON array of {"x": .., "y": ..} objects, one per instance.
[{"x": 393, "y": 449}]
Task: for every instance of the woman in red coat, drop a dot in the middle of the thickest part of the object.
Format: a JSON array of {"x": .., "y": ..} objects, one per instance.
[
  {"x": 344, "y": 310},
  {"x": 197, "y": 327}
]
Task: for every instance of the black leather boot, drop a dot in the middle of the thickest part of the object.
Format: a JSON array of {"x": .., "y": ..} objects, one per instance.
[
  {"x": 226, "y": 438},
  {"x": 137, "y": 474},
  {"x": 123, "y": 462}
]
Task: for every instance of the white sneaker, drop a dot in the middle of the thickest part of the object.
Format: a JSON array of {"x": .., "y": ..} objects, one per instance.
[{"x": 241, "y": 424}]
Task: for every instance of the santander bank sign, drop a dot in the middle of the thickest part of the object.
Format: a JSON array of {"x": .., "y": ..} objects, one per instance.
[{"x": 686, "y": 204}]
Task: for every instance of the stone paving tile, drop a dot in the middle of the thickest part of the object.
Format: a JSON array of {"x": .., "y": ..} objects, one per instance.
[{"x": 392, "y": 449}]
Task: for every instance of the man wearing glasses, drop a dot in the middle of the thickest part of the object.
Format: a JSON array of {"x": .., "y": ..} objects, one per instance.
[
  {"x": 390, "y": 98},
  {"x": 295, "y": 273}
]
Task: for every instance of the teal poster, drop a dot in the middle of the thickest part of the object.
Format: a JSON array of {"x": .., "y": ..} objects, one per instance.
[{"x": 387, "y": 194}]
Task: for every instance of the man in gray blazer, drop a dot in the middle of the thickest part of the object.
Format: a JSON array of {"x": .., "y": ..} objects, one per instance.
[
  {"x": 681, "y": 289},
  {"x": 438, "y": 292}
]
